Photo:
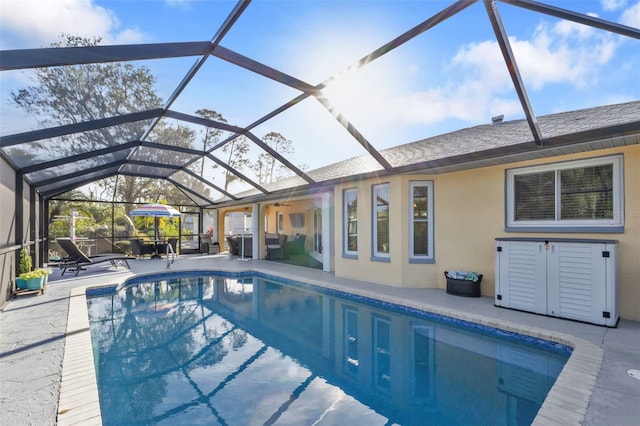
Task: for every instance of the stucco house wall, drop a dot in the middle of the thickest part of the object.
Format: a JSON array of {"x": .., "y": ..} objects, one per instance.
[{"x": 469, "y": 213}]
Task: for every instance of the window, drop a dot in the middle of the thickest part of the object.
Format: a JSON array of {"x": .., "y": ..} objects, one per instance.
[
  {"x": 380, "y": 203},
  {"x": 351, "y": 361},
  {"x": 350, "y": 221},
  {"x": 421, "y": 221},
  {"x": 382, "y": 353},
  {"x": 424, "y": 360},
  {"x": 280, "y": 222},
  {"x": 581, "y": 196},
  {"x": 317, "y": 230}
]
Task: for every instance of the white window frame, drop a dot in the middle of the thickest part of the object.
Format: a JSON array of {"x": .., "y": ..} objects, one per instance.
[
  {"x": 377, "y": 255},
  {"x": 345, "y": 222},
  {"x": 351, "y": 359},
  {"x": 429, "y": 257},
  {"x": 279, "y": 222},
  {"x": 615, "y": 224},
  {"x": 382, "y": 382}
]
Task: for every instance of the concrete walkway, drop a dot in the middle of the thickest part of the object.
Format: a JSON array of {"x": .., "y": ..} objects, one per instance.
[{"x": 33, "y": 332}]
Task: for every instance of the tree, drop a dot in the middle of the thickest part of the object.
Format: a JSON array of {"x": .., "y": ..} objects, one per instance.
[
  {"x": 210, "y": 135},
  {"x": 79, "y": 93},
  {"x": 267, "y": 168},
  {"x": 236, "y": 151}
]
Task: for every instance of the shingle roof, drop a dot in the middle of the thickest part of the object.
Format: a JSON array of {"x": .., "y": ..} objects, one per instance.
[
  {"x": 487, "y": 137},
  {"x": 464, "y": 148}
]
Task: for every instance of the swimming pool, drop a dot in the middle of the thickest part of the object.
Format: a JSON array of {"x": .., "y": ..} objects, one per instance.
[{"x": 194, "y": 348}]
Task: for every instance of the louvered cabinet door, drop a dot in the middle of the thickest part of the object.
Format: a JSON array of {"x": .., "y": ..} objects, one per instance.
[
  {"x": 521, "y": 276},
  {"x": 581, "y": 282},
  {"x": 567, "y": 278}
]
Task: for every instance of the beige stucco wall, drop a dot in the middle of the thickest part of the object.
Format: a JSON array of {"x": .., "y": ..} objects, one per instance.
[{"x": 469, "y": 215}]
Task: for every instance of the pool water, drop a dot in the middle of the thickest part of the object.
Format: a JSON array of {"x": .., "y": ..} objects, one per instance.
[{"x": 238, "y": 349}]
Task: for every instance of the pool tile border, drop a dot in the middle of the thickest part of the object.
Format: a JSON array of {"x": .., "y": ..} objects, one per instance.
[{"x": 566, "y": 402}]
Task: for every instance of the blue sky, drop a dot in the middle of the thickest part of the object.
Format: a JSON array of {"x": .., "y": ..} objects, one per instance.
[{"x": 448, "y": 78}]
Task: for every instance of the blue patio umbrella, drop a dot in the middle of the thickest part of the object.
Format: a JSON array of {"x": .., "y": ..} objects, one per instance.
[{"x": 155, "y": 210}]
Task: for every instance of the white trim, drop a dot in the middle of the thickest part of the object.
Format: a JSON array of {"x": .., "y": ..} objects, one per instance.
[
  {"x": 429, "y": 219},
  {"x": 617, "y": 219},
  {"x": 345, "y": 221},
  {"x": 351, "y": 365},
  {"x": 382, "y": 382},
  {"x": 374, "y": 222},
  {"x": 279, "y": 222}
]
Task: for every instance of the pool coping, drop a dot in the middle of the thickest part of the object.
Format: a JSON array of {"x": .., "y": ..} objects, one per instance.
[
  {"x": 79, "y": 402},
  {"x": 565, "y": 404}
]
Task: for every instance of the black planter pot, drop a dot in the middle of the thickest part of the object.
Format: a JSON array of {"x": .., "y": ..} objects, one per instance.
[{"x": 466, "y": 288}]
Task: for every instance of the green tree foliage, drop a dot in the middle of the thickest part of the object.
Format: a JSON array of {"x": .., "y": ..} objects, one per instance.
[
  {"x": 80, "y": 93},
  {"x": 73, "y": 94}
]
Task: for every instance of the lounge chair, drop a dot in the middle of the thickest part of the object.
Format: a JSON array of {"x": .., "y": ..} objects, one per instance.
[{"x": 76, "y": 260}]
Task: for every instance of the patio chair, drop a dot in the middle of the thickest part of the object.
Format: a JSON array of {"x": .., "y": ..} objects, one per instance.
[
  {"x": 275, "y": 246},
  {"x": 76, "y": 260},
  {"x": 174, "y": 244},
  {"x": 234, "y": 247},
  {"x": 140, "y": 249},
  {"x": 295, "y": 245},
  {"x": 207, "y": 245}
]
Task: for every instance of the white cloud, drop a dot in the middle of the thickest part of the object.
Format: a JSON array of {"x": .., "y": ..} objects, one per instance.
[
  {"x": 479, "y": 85},
  {"x": 612, "y": 5},
  {"x": 565, "y": 53},
  {"x": 631, "y": 16},
  {"x": 38, "y": 23},
  {"x": 127, "y": 36},
  {"x": 477, "y": 88},
  {"x": 575, "y": 30},
  {"x": 178, "y": 3}
]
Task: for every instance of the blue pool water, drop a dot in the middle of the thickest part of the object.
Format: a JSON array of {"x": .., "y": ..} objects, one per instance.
[{"x": 239, "y": 349}]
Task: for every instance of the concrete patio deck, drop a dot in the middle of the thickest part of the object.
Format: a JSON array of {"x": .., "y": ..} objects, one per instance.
[{"x": 34, "y": 331}]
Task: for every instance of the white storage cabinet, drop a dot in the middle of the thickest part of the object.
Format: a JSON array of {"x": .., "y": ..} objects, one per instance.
[{"x": 568, "y": 278}]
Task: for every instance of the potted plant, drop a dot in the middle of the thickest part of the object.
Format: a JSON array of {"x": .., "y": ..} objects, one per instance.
[
  {"x": 35, "y": 279},
  {"x": 24, "y": 267}
]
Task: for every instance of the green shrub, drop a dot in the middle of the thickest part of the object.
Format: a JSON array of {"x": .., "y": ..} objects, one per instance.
[
  {"x": 38, "y": 273},
  {"x": 25, "y": 261}
]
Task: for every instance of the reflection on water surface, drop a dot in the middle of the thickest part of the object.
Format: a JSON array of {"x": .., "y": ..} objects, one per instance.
[{"x": 235, "y": 350}]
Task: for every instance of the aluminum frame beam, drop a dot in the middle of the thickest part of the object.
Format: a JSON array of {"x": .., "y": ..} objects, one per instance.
[
  {"x": 61, "y": 189},
  {"x": 512, "y": 68},
  {"x": 188, "y": 190},
  {"x": 59, "y": 178},
  {"x": 81, "y": 156},
  {"x": 206, "y": 182},
  {"x": 580, "y": 18},
  {"x": 61, "y": 56},
  {"x": 68, "y": 129}
]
